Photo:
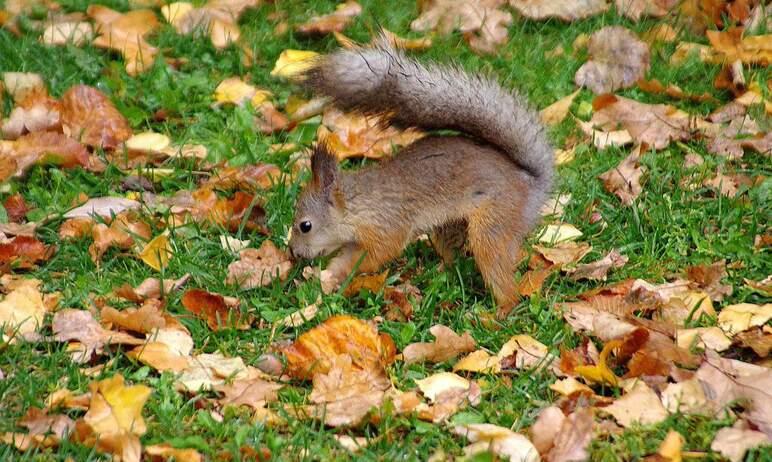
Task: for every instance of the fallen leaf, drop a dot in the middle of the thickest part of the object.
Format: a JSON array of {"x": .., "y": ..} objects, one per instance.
[
  {"x": 687, "y": 397},
  {"x": 569, "y": 386},
  {"x": 368, "y": 282},
  {"x": 333, "y": 22},
  {"x": 105, "y": 207},
  {"x": 160, "y": 357},
  {"x": 157, "y": 253},
  {"x": 234, "y": 90},
  {"x": 164, "y": 451},
  {"x": 527, "y": 352},
  {"x": 565, "y": 253},
  {"x": 618, "y": 60},
  {"x": 151, "y": 288},
  {"x": 546, "y": 428},
  {"x": 573, "y": 439},
  {"x": 125, "y": 33},
  {"x": 208, "y": 370},
  {"x": 23, "y": 252},
  {"x": 673, "y": 91},
  {"x": 344, "y": 394},
  {"x": 39, "y": 422},
  {"x": 219, "y": 312},
  {"x": 730, "y": 43},
  {"x": 40, "y": 148},
  {"x": 23, "y": 85},
  {"x": 447, "y": 345},
  {"x": 733, "y": 443},
  {"x": 671, "y": 446},
  {"x": 734, "y": 319},
  {"x": 598, "y": 270},
  {"x": 250, "y": 178},
  {"x": 603, "y": 139},
  {"x": 259, "y": 267},
  {"x": 639, "y": 405},
  {"x": 660, "y": 33},
  {"x": 79, "y": 325},
  {"x": 294, "y": 63},
  {"x": 90, "y": 117},
  {"x": 501, "y": 441},
  {"x": 255, "y": 393},
  {"x": 35, "y": 113},
  {"x": 144, "y": 319},
  {"x": 483, "y": 24},
  {"x": 448, "y": 393},
  {"x": 655, "y": 125},
  {"x": 636, "y": 9},
  {"x": 310, "y": 353},
  {"x": 703, "y": 337},
  {"x": 557, "y": 111},
  {"x": 708, "y": 278},
  {"x": 357, "y": 135},
  {"x": 759, "y": 340},
  {"x": 567, "y": 11},
  {"x": 352, "y": 444},
  {"x": 218, "y": 18},
  {"x": 557, "y": 233},
  {"x": 478, "y": 361},
  {"x": 67, "y": 32},
  {"x": 116, "y": 408},
  {"x": 532, "y": 281},
  {"x": 601, "y": 373},
  {"x": 120, "y": 233},
  {"x": 300, "y": 317}
]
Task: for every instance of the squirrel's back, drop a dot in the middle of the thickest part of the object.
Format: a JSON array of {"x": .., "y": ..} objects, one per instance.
[{"x": 382, "y": 80}]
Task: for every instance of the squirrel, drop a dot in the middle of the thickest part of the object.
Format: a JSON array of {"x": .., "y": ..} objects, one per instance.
[{"x": 485, "y": 186}]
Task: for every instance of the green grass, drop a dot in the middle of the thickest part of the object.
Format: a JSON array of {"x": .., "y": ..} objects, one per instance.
[{"x": 667, "y": 229}]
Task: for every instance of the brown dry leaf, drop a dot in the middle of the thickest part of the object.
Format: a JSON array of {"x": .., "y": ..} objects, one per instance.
[
  {"x": 344, "y": 394},
  {"x": 401, "y": 300},
  {"x": 218, "y": 18},
  {"x": 478, "y": 361},
  {"x": 448, "y": 393},
  {"x": 255, "y": 393},
  {"x": 144, "y": 319},
  {"x": 598, "y": 270},
  {"x": 754, "y": 49},
  {"x": 64, "y": 398},
  {"x": 334, "y": 22},
  {"x": 624, "y": 180},
  {"x": 218, "y": 311},
  {"x": 734, "y": 319},
  {"x": 259, "y": 267},
  {"x": 36, "y": 112},
  {"x": 23, "y": 308},
  {"x": 150, "y": 288},
  {"x": 733, "y": 442},
  {"x": 618, "y": 60},
  {"x": 80, "y": 325},
  {"x": 639, "y": 405},
  {"x": 636, "y": 9},
  {"x": 673, "y": 91},
  {"x": 124, "y": 446},
  {"x": 655, "y": 125},
  {"x": 356, "y": 135},
  {"x": 120, "y": 233},
  {"x": 533, "y": 280},
  {"x": 40, "y": 148},
  {"x": 501, "y": 441},
  {"x": 759, "y": 340},
  {"x": 125, "y": 33},
  {"x": 565, "y": 253},
  {"x": 311, "y": 352},
  {"x": 164, "y": 451},
  {"x": 23, "y": 252},
  {"x": 38, "y": 422},
  {"x": 271, "y": 120},
  {"x": 368, "y": 282},
  {"x": 567, "y": 11},
  {"x": 208, "y": 370},
  {"x": 726, "y": 185},
  {"x": 446, "y": 346},
  {"x": 251, "y": 178},
  {"x": 67, "y": 32},
  {"x": 573, "y": 438},
  {"x": 88, "y": 115},
  {"x": 557, "y": 111},
  {"x": 482, "y": 22},
  {"x": 708, "y": 278}
]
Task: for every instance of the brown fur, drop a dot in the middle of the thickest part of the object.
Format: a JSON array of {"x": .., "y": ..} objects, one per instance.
[{"x": 447, "y": 186}]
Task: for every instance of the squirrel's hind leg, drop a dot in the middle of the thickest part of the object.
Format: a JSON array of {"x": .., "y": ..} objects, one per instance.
[
  {"x": 495, "y": 233},
  {"x": 449, "y": 239}
]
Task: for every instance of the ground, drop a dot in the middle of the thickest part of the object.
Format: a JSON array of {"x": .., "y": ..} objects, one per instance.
[{"x": 668, "y": 229}]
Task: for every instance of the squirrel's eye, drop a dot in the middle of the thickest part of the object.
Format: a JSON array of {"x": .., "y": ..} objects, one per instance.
[{"x": 305, "y": 226}]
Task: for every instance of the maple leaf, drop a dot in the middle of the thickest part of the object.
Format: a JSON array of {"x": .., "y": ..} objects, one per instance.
[
  {"x": 334, "y": 22},
  {"x": 447, "y": 345},
  {"x": 311, "y": 352},
  {"x": 219, "y": 312},
  {"x": 618, "y": 59},
  {"x": 258, "y": 267},
  {"x": 636, "y": 9},
  {"x": 89, "y": 116},
  {"x": 482, "y": 22},
  {"x": 125, "y": 33},
  {"x": 567, "y": 11}
]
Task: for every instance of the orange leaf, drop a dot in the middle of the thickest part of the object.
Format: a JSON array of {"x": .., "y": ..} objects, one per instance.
[
  {"x": 88, "y": 115},
  {"x": 215, "y": 309}
]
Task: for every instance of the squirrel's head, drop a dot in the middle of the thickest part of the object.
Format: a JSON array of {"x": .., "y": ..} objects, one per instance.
[{"x": 318, "y": 228}]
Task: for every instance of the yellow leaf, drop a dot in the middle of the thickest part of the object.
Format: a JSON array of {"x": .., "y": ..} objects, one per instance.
[
  {"x": 174, "y": 12},
  {"x": 233, "y": 90},
  {"x": 557, "y": 111},
  {"x": 734, "y": 319},
  {"x": 157, "y": 252},
  {"x": 600, "y": 373},
  {"x": 148, "y": 141},
  {"x": 559, "y": 233},
  {"x": 292, "y": 63},
  {"x": 116, "y": 408}
]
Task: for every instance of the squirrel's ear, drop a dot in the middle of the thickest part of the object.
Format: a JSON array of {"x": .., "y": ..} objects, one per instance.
[{"x": 324, "y": 166}]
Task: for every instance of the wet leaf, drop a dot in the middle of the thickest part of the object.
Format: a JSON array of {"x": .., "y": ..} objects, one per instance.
[
  {"x": 259, "y": 267},
  {"x": 447, "y": 345},
  {"x": 618, "y": 60}
]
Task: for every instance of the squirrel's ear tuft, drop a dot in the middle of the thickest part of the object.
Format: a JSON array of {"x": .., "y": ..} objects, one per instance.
[{"x": 324, "y": 166}]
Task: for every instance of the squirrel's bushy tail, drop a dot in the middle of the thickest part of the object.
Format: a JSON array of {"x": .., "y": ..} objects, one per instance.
[{"x": 382, "y": 80}]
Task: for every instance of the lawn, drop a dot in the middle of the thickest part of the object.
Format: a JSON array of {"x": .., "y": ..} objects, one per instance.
[{"x": 677, "y": 221}]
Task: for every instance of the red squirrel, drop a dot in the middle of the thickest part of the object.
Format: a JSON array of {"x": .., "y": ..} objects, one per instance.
[{"x": 485, "y": 186}]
